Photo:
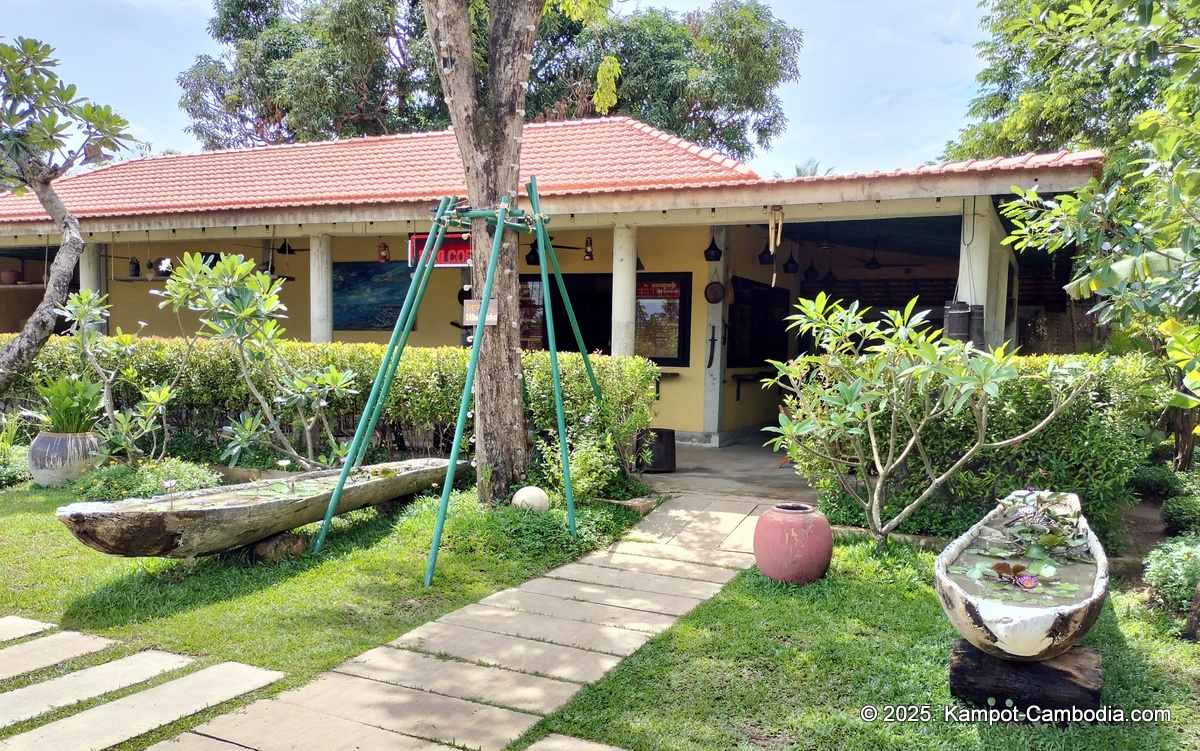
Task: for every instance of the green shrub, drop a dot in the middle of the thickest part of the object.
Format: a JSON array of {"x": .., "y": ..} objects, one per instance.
[
  {"x": 14, "y": 466},
  {"x": 1091, "y": 449},
  {"x": 519, "y": 534},
  {"x": 1182, "y": 513},
  {"x": 142, "y": 479},
  {"x": 419, "y": 411},
  {"x": 1173, "y": 568},
  {"x": 1155, "y": 483}
]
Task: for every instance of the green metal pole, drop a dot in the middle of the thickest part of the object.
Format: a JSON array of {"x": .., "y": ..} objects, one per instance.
[
  {"x": 373, "y": 400},
  {"x": 467, "y": 387},
  {"x": 556, "y": 377},
  {"x": 544, "y": 242},
  {"x": 424, "y": 271}
]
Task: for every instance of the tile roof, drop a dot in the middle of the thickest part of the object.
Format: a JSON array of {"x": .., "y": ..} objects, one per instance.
[
  {"x": 577, "y": 156},
  {"x": 1093, "y": 158},
  {"x": 599, "y": 155}
]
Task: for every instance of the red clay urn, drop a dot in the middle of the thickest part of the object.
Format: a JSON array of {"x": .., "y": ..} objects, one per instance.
[{"x": 793, "y": 543}]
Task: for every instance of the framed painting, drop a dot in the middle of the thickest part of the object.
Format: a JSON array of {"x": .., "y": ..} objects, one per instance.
[{"x": 368, "y": 295}]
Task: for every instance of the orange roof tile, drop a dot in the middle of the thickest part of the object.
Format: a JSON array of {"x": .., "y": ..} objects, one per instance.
[
  {"x": 578, "y": 156},
  {"x": 1093, "y": 158}
]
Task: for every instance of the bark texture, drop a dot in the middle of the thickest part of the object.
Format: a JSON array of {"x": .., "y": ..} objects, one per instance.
[
  {"x": 21, "y": 351},
  {"x": 1071, "y": 680},
  {"x": 486, "y": 100}
]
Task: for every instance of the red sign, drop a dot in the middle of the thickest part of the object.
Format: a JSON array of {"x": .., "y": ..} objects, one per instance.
[
  {"x": 658, "y": 291},
  {"x": 455, "y": 250}
]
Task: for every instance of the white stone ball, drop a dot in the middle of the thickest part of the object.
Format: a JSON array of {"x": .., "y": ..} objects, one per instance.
[{"x": 533, "y": 498}]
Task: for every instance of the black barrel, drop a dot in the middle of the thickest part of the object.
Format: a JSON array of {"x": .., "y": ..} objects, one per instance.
[
  {"x": 977, "y": 334},
  {"x": 957, "y": 324}
]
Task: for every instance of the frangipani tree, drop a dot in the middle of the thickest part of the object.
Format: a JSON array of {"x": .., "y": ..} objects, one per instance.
[
  {"x": 866, "y": 401},
  {"x": 46, "y": 128}
]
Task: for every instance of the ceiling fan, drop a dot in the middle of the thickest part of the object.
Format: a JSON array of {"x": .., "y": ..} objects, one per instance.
[
  {"x": 874, "y": 264},
  {"x": 535, "y": 249}
]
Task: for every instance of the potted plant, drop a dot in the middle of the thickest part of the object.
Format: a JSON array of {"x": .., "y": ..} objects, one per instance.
[{"x": 66, "y": 446}]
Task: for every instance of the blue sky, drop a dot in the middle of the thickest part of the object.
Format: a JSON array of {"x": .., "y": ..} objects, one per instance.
[{"x": 884, "y": 84}]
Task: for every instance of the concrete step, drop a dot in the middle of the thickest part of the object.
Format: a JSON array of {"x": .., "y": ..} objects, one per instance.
[
  {"x": 46, "y": 651},
  {"x": 16, "y": 627},
  {"x": 653, "y": 583},
  {"x": 674, "y": 552},
  {"x": 505, "y": 688},
  {"x": 40, "y": 698},
  {"x": 577, "y": 610},
  {"x": 412, "y": 712},
  {"x": 509, "y": 652},
  {"x": 605, "y": 595},
  {"x": 555, "y": 742},
  {"x": 118, "y": 721},
  {"x": 272, "y": 725},
  {"x": 661, "y": 566},
  {"x": 608, "y": 639}
]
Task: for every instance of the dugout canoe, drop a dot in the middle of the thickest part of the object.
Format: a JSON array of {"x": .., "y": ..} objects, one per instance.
[{"x": 204, "y": 522}]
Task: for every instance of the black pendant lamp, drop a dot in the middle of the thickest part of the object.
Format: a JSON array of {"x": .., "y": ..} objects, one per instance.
[
  {"x": 811, "y": 274},
  {"x": 790, "y": 266},
  {"x": 766, "y": 257},
  {"x": 713, "y": 252}
]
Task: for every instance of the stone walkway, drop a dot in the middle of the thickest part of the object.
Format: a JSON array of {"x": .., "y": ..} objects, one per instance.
[
  {"x": 478, "y": 677},
  {"x": 114, "y": 721}
]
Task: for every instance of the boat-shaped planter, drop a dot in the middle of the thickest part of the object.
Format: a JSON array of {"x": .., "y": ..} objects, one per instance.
[
  {"x": 1003, "y": 618},
  {"x": 204, "y": 522}
]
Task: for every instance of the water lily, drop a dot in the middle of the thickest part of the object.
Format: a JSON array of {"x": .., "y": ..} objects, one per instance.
[
  {"x": 1025, "y": 581},
  {"x": 168, "y": 484}
]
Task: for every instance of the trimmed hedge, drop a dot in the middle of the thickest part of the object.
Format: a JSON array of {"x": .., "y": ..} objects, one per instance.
[
  {"x": 1091, "y": 449},
  {"x": 421, "y": 406}
]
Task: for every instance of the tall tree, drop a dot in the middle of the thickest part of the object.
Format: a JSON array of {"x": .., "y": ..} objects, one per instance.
[
  {"x": 45, "y": 130},
  {"x": 338, "y": 68},
  {"x": 1029, "y": 101},
  {"x": 1135, "y": 230}
]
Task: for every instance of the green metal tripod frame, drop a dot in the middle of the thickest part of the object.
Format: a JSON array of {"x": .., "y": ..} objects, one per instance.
[{"x": 448, "y": 214}]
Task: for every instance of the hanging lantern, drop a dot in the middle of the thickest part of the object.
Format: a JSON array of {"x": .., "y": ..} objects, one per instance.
[{"x": 385, "y": 253}]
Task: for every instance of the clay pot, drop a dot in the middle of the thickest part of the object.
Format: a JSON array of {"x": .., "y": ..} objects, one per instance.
[
  {"x": 10, "y": 276},
  {"x": 793, "y": 543},
  {"x": 56, "y": 459}
]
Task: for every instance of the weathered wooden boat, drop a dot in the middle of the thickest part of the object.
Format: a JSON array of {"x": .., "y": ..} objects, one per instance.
[
  {"x": 1030, "y": 622},
  {"x": 203, "y": 522}
]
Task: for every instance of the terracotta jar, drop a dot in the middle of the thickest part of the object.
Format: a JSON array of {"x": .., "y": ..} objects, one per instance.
[{"x": 793, "y": 543}]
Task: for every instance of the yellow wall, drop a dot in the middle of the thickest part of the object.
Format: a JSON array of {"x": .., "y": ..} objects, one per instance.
[{"x": 18, "y": 302}]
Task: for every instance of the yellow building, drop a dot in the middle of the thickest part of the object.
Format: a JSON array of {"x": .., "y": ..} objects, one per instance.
[{"x": 636, "y": 214}]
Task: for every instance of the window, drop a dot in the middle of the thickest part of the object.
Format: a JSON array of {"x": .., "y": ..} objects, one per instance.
[{"x": 662, "y": 315}]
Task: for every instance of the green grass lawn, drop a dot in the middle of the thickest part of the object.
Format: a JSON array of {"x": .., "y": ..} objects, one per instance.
[
  {"x": 301, "y": 615},
  {"x": 771, "y": 666}
]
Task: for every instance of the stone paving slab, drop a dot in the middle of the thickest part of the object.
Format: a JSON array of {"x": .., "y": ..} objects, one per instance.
[
  {"x": 712, "y": 525},
  {"x": 46, "y": 651},
  {"x": 509, "y": 652},
  {"x": 527, "y": 693},
  {"x": 675, "y": 552},
  {"x": 412, "y": 712},
  {"x": 40, "y": 698},
  {"x": 741, "y": 539},
  {"x": 666, "y": 522},
  {"x": 271, "y": 725},
  {"x": 664, "y": 566},
  {"x": 193, "y": 742},
  {"x": 609, "y": 639},
  {"x": 605, "y": 595},
  {"x": 577, "y": 610},
  {"x": 556, "y": 742},
  {"x": 16, "y": 627},
  {"x": 118, "y": 721},
  {"x": 652, "y": 583}
]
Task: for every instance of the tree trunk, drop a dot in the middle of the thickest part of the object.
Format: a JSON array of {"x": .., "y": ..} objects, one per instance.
[
  {"x": 487, "y": 110},
  {"x": 20, "y": 352}
]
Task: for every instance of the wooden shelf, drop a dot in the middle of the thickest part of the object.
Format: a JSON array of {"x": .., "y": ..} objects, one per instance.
[
  {"x": 139, "y": 279},
  {"x": 22, "y": 286}
]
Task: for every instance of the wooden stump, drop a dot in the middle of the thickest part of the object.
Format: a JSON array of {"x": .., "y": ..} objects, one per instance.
[
  {"x": 280, "y": 546},
  {"x": 1072, "y": 679}
]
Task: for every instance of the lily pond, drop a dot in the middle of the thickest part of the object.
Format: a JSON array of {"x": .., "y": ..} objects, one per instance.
[{"x": 1035, "y": 554}]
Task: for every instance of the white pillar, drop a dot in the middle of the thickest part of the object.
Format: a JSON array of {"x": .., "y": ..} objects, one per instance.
[
  {"x": 90, "y": 270},
  {"x": 998, "y": 295},
  {"x": 320, "y": 302},
  {"x": 714, "y": 327},
  {"x": 975, "y": 255},
  {"x": 624, "y": 290}
]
